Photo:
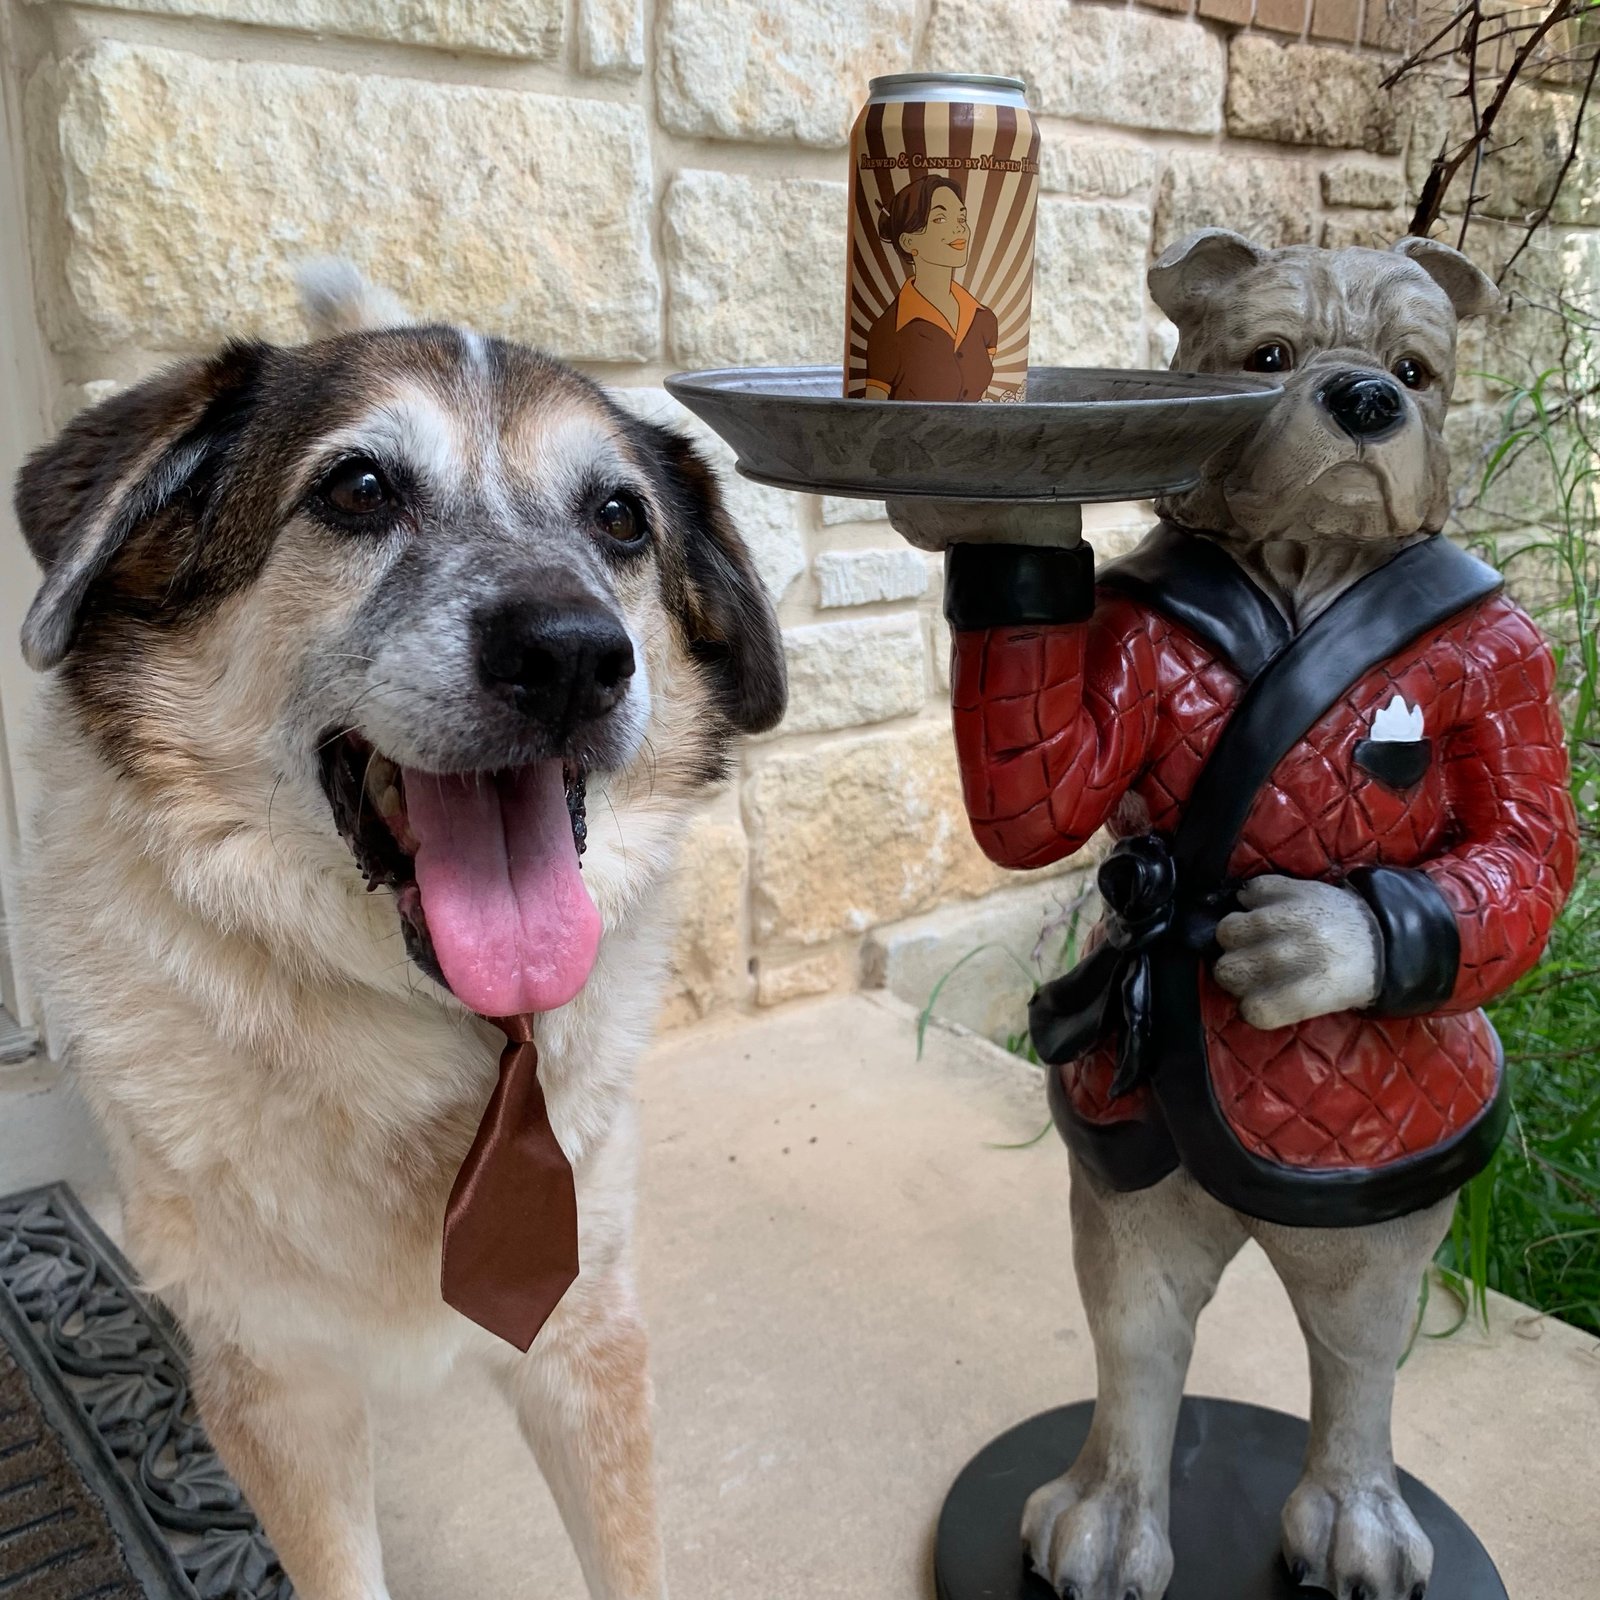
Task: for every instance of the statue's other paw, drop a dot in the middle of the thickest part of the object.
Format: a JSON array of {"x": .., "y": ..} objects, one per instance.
[
  {"x": 1357, "y": 1541},
  {"x": 1097, "y": 1541}
]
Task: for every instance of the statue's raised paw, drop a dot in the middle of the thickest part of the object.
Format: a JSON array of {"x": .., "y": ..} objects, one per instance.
[
  {"x": 1358, "y": 1541},
  {"x": 1097, "y": 1541},
  {"x": 1298, "y": 949}
]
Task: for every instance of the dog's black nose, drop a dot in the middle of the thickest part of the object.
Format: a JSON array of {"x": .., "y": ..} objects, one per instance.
[
  {"x": 562, "y": 663},
  {"x": 1365, "y": 404}
]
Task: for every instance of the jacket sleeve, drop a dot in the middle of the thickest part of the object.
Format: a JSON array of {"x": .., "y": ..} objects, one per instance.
[
  {"x": 1054, "y": 697},
  {"x": 1462, "y": 928}
]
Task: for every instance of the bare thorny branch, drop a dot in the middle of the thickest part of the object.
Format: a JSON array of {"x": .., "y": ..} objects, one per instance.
[
  {"x": 1543, "y": 215},
  {"x": 1467, "y": 35},
  {"x": 1429, "y": 54},
  {"x": 1485, "y": 112}
]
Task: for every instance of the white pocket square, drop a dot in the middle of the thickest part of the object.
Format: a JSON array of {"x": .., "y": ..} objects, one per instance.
[{"x": 1397, "y": 722}]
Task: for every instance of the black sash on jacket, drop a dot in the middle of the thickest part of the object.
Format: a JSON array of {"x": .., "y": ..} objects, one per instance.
[{"x": 1165, "y": 895}]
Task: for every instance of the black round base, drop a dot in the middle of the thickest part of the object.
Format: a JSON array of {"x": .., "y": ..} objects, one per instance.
[{"x": 1232, "y": 1469}]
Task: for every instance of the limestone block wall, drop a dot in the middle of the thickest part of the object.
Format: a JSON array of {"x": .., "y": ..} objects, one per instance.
[{"x": 643, "y": 185}]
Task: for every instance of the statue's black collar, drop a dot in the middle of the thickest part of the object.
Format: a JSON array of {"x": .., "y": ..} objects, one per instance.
[{"x": 1196, "y": 583}]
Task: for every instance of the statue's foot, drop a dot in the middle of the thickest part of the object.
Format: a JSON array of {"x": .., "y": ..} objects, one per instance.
[
  {"x": 1097, "y": 1541},
  {"x": 1358, "y": 1541}
]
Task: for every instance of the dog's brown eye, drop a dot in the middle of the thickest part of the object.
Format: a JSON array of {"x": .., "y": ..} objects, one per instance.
[
  {"x": 1270, "y": 357},
  {"x": 621, "y": 517},
  {"x": 357, "y": 488},
  {"x": 1411, "y": 372}
]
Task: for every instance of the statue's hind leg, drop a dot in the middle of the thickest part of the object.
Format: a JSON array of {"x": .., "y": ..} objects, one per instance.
[
  {"x": 1346, "y": 1528},
  {"x": 1147, "y": 1263}
]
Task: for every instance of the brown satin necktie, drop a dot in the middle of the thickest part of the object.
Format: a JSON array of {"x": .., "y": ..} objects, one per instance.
[{"x": 511, "y": 1227}]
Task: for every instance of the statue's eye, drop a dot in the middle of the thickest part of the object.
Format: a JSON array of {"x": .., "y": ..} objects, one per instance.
[
  {"x": 621, "y": 518},
  {"x": 357, "y": 488},
  {"x": 1412, "y": 373},
  {"x": 1274, "y": 356}
]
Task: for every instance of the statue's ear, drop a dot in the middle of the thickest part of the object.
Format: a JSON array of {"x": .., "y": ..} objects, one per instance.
[
  {"x": 1472, "y": 291},
  {"x": 1190, "y": 272}
]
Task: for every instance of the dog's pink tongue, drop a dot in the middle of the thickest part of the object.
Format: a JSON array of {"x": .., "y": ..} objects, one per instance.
[{"x": 511, "y": 921}]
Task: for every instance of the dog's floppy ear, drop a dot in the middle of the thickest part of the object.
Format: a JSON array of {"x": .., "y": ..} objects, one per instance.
[
  {"x": 79, "y": 498},
  {"x": 335, "y": 298},
  {"x": 733, "y": 629},
  {"x": 1472, "y": 291},
  {"x": 1187, "y": 274}
]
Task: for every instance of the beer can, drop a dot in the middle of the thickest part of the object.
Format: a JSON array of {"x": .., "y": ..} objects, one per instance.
[{"x": 944, "y": 185}]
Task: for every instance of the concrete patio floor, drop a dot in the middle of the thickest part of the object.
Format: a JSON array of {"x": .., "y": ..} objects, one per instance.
[{"x": 850, "y": 1291}]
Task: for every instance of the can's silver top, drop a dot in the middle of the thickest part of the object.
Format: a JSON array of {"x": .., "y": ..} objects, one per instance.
[{"x": 946, "y": 86}]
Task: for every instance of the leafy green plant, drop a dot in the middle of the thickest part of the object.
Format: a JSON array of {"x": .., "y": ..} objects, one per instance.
[
  {"x": 925, "y": 1015},
  {"x": 1529, "y": 1225},
  {"x": 1055, "y": 950}
]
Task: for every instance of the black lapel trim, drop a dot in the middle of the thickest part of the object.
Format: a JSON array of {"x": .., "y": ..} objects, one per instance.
[
  {"x": 1421, "y": 587},
  {"x": 1192, "y": 580},
  {"x": 1127, "y": 1155}
]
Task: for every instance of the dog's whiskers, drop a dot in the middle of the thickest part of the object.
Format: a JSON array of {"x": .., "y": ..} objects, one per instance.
[
  {"x": 652, "y": 764},
  {"x": 622, "y": 842},
  {"x": 349, "y": 712},
  {"x": 270, "y": 798},
  {"x": 366, "y": 778},
  {"x": 382, "y": 685},
  {"x": 236, "y": 766}
]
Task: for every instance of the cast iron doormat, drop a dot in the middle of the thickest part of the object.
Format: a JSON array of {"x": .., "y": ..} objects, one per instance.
[{"x": 109, "y": 1487}]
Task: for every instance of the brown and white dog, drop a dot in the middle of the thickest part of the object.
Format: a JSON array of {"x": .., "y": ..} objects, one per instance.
[{"x": 377, "y": 606}]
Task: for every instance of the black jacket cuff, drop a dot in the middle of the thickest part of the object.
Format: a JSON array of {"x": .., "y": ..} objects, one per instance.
[
  {"x": 1421, "y": 942},
  {"x": 1007, "y": 585}
]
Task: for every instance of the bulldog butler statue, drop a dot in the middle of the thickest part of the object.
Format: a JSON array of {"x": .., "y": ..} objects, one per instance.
[{"x": 1326, "y": 743}]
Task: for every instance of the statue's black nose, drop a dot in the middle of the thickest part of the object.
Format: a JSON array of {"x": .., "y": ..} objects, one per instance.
[
  {"x": 562, "y": 663},
  {"x": 1366, "y": 405}
]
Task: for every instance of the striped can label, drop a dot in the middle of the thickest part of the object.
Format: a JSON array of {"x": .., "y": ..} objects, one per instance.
[{"x": 943, "y": 194}]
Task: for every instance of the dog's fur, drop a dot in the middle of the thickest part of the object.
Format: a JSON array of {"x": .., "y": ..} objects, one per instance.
[
  {"x": 1308, "y": 510},
  {"x": 285, "y": 1093}
]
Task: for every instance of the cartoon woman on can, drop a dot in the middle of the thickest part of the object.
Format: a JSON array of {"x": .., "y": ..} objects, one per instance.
[{"x": 934, "y": 341}]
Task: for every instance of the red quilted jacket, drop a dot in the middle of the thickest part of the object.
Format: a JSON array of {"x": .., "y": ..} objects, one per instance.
[{"x": 1065, "y": 727}]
